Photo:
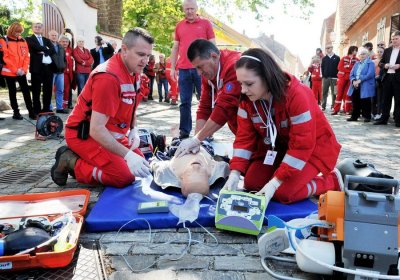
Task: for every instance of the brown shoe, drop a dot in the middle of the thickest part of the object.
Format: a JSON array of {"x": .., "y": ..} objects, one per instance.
[{"x": 65, "y": 163}]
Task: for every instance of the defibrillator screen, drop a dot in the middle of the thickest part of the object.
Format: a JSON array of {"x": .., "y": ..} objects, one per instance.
[{"x": 240, "y": 208}]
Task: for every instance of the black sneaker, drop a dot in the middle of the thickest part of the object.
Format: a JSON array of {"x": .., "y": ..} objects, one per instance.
[{"x": 17, "y": 117}]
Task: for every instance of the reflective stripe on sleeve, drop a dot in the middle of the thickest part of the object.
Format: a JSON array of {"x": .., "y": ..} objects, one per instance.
[
  {"x": 294, "y": 162},
  {"x": 242, "y": 153},
  {"x": 6, "y": 69},
  {"x": 242, "y": 113},
  {"x": 256, "y": 119},
  {"x": 127, "y": 88},
  {"x": 302, "y": 118}
]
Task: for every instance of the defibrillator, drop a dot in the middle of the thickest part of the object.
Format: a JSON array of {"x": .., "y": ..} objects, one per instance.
[{"x": 240, "y": 212}]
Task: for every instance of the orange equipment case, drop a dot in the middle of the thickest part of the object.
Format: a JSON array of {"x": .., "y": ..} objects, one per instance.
[{"x": 19, "y": 206}]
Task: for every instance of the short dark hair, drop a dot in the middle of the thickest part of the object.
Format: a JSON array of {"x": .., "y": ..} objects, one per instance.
[
  {"x": 396, "y": 33},
  {"x": 131, "y": 36},
  {"x": 267, "y": 69},
  {"x": 201, "y": 48},
  {"x": 368, "y": 45},
  {"x": 352, "y": 49}
]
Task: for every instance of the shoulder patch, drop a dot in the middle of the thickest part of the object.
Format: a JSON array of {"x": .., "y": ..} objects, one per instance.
[{"x": 229, "y": 87}]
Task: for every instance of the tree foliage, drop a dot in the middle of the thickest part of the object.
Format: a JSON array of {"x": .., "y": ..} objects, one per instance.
[
  {"x": 21, "y": 11},
  {"x": 159, "y": 17}
]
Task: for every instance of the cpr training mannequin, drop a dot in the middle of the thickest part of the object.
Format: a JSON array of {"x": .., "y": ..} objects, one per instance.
[{"x": 193, "y": 173}]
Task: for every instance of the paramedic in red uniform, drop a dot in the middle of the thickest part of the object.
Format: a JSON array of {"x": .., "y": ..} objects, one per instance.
[
  {"x": 344, "y": 68},
  {"x": 220, "y": 94},
  {"x": 316, "y": 77},
  {"x": 107, "y": 103},
  {"x": 281, "y": 110}
]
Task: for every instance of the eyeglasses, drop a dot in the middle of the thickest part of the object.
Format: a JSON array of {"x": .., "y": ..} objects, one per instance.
[
  {"x": 328, "y": 48},
  {"x": 380, "y": 45}
]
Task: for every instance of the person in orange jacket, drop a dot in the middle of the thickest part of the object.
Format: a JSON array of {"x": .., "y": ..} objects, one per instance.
[
  {"x": 16, "y": 62},
  {"x": 316, "y": 77},
  {"x": 344, "y": 68}
]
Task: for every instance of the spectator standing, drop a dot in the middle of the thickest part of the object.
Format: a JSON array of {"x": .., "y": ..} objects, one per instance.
[
  {"x": 362, "y": 86},
  {"x": 390, "y": 63},
  {"x": 40, "y": 49},
  {"x": 344, "y": 68},
  {"x": 173, "y": 84},
  {"x": 101, "y": 53},
  {"x": 83, "y": 62},
  {"x": 58, "y": 66},
  {"x": 186, "y": 31},
  {"x": 68, "y": 72},
  {"x": 162, "y": 81},
  {"x": 369, "y": 46},
  {"x": 149, "y": 71},
  {"x": 16, "y": 62},
  {"x": 114, "y": 45},
  {"x": 329, "y": 70},
  {"x": 377, "y": 101},
  {"x": 316, "y": 79}
]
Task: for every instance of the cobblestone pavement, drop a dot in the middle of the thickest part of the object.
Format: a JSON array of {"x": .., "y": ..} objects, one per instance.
[{"x": 236, "y": 256}]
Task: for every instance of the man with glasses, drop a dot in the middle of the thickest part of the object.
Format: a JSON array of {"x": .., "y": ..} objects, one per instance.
[
  {"x": 329, "y": 68},
  {"x": 390, "y": 63},
  {"x": 381, "y": 44}
]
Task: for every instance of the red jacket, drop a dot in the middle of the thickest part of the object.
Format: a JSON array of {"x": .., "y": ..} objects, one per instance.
[
  {"x": 226, "y": 96},
  {"x": 69, "y": 69},
  {"x": 304, "y": 134},
  {"x": 345, "y": 65},
  {"x": 15, "y": 56},
  {"x": 118, "y": 97},
  {"x": 83, "y": 60},
  {"x": 315, "y": 70}
]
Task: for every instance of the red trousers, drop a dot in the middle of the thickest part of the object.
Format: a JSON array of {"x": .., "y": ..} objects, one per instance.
[
  {"x": 173, "y": 92},
  {"x": 342, "y": 88},
  {"x": 67, "y": 90},
  {"x": 317, "y": 90},
  {"x": 98, "y": 165},
  {"x": 301, "y": 186}
]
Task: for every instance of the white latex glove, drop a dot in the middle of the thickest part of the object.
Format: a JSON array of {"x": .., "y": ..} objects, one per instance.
[
  {"x": 190, "y": 145},
  {"x": 138, "y": 166},
  {"x": 133, "y": 138},
  {"x": 233, "y": 181},
  {"x": 269, "y": 189}
]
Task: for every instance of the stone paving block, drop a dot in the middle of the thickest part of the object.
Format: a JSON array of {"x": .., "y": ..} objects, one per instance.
[
  {"x": 152, "y": 275},
  {"x": 231, "y": 238},
  {"x": 156, "y": 249},
  {"x": 186, "y": 262},
  {"x": 49, "y": 189},
  {"x": 136, "y": 262},
  {"x": 220, "y": 249},
  {"x": 175, "y": 237},
  {"x": 242, "y": 263},
  {"x": 16, "y": 189},
  {"x": 127, "y": 236},
  {"x": 251, "y": 249},
  {"x": 258, "y": 276},
  {"x": 112, "y": 249},
  {"x": 210, "y": 275}
]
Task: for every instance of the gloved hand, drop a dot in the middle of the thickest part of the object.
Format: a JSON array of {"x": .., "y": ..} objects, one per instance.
[
  {"x": 133, "y": 138},
  {"x": 138, "y": 166},
  {"x": 190, "y": 145},
  {"x": 269, "y": 189},
  {"x": 232, "y": 183}
]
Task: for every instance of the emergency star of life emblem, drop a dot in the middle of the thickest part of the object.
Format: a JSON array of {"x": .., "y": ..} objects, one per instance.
[{"x": 229, "y": 87}]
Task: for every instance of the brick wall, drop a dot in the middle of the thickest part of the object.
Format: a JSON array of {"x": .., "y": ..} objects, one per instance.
[{"x": 109, "y": 16}]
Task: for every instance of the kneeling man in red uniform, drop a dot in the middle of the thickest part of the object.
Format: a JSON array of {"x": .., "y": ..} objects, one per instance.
[{"x": 99, "y": 150}]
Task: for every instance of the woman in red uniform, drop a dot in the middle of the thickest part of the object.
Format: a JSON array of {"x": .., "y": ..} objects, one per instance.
[
  {"x": 316, "y": 78},
  {"x": 277, "y": 108},
  {"x": 345, "y": 65}
]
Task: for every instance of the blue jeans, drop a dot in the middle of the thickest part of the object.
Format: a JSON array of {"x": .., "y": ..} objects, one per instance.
[
  {"x": 161, "y": 83},
  {"x": 58, "y": 81},
  {"x": 188, "y": 80},
  {"x": 81, "y": 79}
]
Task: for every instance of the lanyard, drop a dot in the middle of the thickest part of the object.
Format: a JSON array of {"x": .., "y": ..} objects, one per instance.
[
  {"x": 270, "y": 127},
  {"x": 213, "y": 87}
]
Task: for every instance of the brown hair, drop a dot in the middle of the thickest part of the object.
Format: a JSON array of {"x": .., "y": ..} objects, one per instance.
[{"x": 15, "y": 27}]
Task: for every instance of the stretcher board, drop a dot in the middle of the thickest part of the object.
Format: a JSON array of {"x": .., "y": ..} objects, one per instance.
[{"x": 116, "y": 207}]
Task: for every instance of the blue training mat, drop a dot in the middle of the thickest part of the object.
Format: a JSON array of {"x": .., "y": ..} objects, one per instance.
[{"x": 116, "y": 207}]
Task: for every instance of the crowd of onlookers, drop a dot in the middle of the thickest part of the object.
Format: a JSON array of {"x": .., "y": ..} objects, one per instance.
[
  {"x": 362, "y": 83},
  {"x": 57, "y": 68}
]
